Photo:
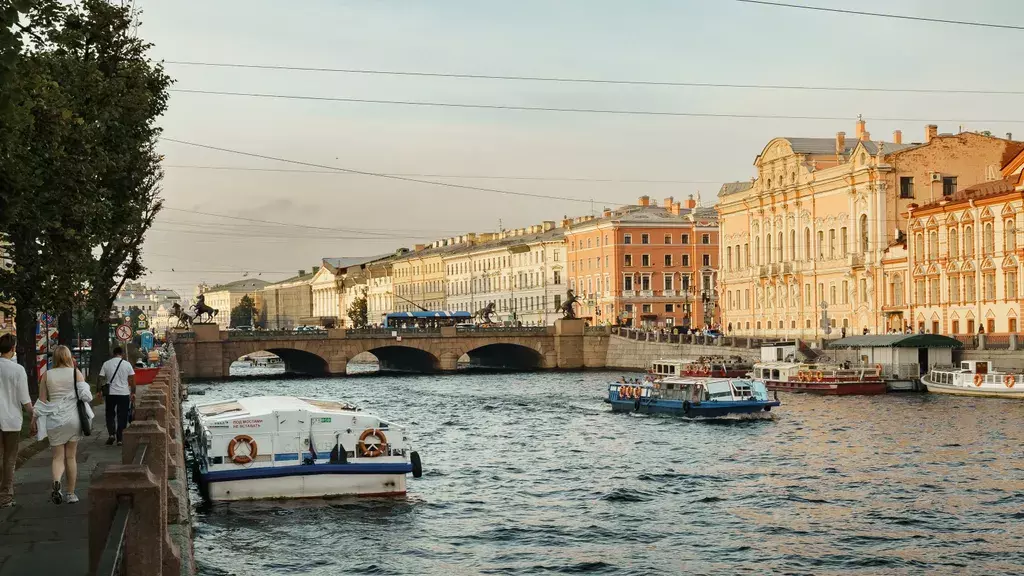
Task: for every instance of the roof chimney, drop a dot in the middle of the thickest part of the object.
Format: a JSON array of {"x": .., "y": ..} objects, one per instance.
[
  {"x": 418, "y": 247},
  {"x": 897, "y": 137},
  {"x": 861, "y": 132},
  {"x": 549, "y": 225},
  {"x": 840, "y": 142},
  {"x": 607, "y": 213},
  {"x": 675, "y": 208},
  {"x": 691, "y": 203},
  {"x": 930, "y": 131},
  {"x": 668, "y": 202},
  {"x": 644, "y": 201},
  {"x": 302, "y": 272},
  {"x": 1009, "y": 135},
  {"x": 566, "y": 222}
]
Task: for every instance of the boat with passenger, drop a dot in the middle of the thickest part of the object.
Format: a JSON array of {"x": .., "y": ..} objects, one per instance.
[
  {"x": 702, "y": 367},
  {"x": 781, "y": 368},
  {"x": 974, "y": 378},
  {"x": 274, "y": 447},
  {"x": 692, "y": 397}
]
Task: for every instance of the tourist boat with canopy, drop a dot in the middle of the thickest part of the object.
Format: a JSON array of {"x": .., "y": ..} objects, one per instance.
[
  {"x": 270, "y": 447},
  {"x": 780, "y": 369},
  {"x": 693, "y": 397},
  {"x": 974, "y": 378},
  {"x": 703, "y": 367}
]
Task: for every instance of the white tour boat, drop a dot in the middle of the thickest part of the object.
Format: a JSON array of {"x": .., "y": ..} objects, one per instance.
[
  {"x": 266, "y": 447},
  {"x": 974, "y": 378}
]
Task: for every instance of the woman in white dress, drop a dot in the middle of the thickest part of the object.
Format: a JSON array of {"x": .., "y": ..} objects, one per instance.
[{"x": 63, "y": 425}]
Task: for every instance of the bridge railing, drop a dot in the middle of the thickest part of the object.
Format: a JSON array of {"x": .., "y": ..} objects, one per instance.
[
  {"x": 271, "y": 334},
  {"x": 502, "y": 329},
  {"x": 381, "y": 332}
]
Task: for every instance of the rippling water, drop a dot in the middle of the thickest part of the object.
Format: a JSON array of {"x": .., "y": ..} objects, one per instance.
[{"x": 532, "y": 474}]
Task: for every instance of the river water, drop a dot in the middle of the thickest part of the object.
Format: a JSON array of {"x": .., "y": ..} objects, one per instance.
[{"x": 532, "y": 474}]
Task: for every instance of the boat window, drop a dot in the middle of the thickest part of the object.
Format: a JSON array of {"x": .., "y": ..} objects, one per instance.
[
  {"x": 981, "y": 368},
  {"x": 670, "y": 386},
  {"x": 775, "y": 374},
  {"x": 719, "y": 390},
  {"x": 672, "y": 369},
  {"x": 965, "y": 366}
]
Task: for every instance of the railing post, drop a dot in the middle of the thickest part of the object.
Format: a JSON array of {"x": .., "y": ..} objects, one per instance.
[
  {"x": 1012, "y": 342},
  {"x": 146, "y": 536},
  {"x": 981, "y": 341}
]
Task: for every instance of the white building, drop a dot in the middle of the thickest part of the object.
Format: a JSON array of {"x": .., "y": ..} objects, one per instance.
[{"x": 380, "y": 298}]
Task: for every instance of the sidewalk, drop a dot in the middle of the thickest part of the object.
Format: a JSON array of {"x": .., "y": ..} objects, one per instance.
[{"x": 36, "y": 535}]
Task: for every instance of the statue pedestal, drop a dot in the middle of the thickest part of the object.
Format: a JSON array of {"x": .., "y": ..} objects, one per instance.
[
  {"x": 206, "y": 332},
  {"x": 569, "y": 327}
]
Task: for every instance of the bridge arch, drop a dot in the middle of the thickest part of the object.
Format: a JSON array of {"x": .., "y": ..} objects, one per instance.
[
  {"x": 505, "y": 356},
  {"x": 398, "y": 358},
  {"x": 295, "y": 356}
]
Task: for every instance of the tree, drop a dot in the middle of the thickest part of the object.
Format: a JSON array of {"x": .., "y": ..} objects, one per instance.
[
  {"x": 245, "y": 314},
  {"x": 357, "y": 311}
]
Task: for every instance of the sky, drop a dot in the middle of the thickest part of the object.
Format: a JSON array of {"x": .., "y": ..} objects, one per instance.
[{"x": 535, "y": 152}]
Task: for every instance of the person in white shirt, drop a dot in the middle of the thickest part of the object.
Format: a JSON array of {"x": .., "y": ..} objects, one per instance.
[
  {"x": 119, "y": 377},
  {"x": 14, "y": 400}
]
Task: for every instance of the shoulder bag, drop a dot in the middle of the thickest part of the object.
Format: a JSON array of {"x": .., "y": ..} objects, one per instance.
[
  {"x": 106, "y": 387},
  {"x": 83, "y": 414}
]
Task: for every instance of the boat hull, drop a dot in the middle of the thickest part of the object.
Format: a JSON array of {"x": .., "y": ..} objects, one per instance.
[
  {"x": 307, "y": 481},
  {"x": 712, "y": 409},
  {"x": 982, "y": 391},
  {"x": 829, "y": 388}
]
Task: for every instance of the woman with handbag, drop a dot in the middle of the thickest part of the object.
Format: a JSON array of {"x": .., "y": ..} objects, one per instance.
[{"x": 63, "y": 413}]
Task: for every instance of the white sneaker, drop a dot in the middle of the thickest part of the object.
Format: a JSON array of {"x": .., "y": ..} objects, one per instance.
[{"x": 72, "y": 498}]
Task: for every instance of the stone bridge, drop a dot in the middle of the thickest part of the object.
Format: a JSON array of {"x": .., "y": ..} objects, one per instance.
[{"x": 208, "y": 352}]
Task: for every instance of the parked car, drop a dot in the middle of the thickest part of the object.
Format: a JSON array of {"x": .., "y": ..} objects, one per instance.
[{"x": 244, "y": 328}]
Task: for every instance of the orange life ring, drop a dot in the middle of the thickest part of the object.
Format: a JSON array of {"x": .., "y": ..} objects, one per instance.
[
  {"x": 978, "y": 378},
  {"x": 622, "y": 391},
  {"x": 819, "y": 376},
  {"x": 235, "y": 443},
  {"x": 372, "y": 450},
  {"x": 878, "y": 368},
  {"x": 1009, "y": 380}
]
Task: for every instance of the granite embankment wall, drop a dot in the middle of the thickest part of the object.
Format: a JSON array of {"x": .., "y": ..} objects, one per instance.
[{"x": 628, "y": 354}]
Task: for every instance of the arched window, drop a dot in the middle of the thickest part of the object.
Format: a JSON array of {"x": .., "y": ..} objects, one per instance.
[
  {"x": 918, "y": 247},
  {"x": 728, "y": 256},
  {"x": 988, "y": 239},
  {"x": 954, "y": 243},
  {"x": 778, "y": 249},
  {"x": 933, "y": 244},
  {"x": 1011, "y": 283},
  {"x": 757, "y": 250},
  {"x": 792, "y": 245},
  {"x": 768, "y": 248},
  {"x": 896, "y": 298},
  {"x": 968, "y": 241},
  {"x": 808, "y": 249},
  {"x": 864, "y": 233},
  {"x": 1010, "y": 230}
]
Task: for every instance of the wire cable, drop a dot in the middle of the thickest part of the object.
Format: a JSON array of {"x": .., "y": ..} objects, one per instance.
[
  {"x": 387, "y": 176},
  {"x": 570, "y": 80},
  {"x": 884, "y": 15},
  {"x": 617, "y": 112}
]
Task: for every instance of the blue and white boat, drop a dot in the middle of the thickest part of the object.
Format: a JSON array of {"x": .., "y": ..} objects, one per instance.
[
  {"x": 269, "y": 447},
  {"x": 693, "y": 397}
]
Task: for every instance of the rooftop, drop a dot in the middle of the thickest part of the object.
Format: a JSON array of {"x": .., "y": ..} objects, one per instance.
[
  {"x": 897, "y": 341},
  {"x": 243, "y": 285},
  {"x": 976, "y": 192}
]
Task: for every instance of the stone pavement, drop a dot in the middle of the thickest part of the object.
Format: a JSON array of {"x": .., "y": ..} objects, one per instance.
[{"x": 39, "y": 537}]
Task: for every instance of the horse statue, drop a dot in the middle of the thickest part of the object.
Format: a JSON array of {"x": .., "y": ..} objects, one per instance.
[
  {"x": 185, "y": 317},
  {"x": 570, "y": 298},
  {"x": 484, "y": 314},
  {"x": 201, "y": 309}
]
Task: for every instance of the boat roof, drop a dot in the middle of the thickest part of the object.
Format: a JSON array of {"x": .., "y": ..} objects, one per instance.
[
  {"x": 897, "y": 341},
  {"x": 262, "y": 405}
]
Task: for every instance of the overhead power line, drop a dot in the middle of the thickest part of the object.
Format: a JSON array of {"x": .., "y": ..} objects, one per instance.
[
  {"x": 885, "y": 15},
  {"x": 387, "y": 176},
  {"x": 618, "y": 112},
  {"x": 455, "y": 176},
  {"x": 291, "y": 224},
  {"x": 570, "y": 80}
]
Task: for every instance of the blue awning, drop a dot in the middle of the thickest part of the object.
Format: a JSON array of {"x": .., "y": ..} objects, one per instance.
[{"x": 429, "y": 314}]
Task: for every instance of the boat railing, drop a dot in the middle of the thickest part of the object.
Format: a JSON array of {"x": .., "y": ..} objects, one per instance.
[{"x": 856, "y": 372}]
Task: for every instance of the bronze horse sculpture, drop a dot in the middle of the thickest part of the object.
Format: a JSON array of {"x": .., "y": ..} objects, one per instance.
[
  {"x": 484, "y": 314},
  {"x": 185, "y": 317},
  {"x": 566, "y": 308},
  {"x": 201, "y": 309}
]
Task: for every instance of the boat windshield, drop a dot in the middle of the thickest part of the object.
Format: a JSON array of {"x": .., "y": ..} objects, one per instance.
[
  {"x": 759, "y": 391},
  {"x": 719, "y": 390}
]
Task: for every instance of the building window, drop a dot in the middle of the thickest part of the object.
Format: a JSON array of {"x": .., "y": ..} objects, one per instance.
[
  {"x": 933, "y": 291},
  {"x": 645, "y": 282},
  {"x": 821, "y": 244},
  {"x": 645, "y": 260},
  {"x": 645, "y": 308},
  {"x": 627, "y": 260},
  {"x": 832, "y": 294},
  {"x": 627, "y": 238},
  {"x": 969, "y": 292},
  {"x": 706, "y": 260},
  {"x": 954, "y": 290},
  {"x": 627, "y": 282},
  {"x": 1011, "y": 284},
  {"x": 668, "y": 281},
  {"x": 1010, "y": 233},
  {"x": 933, "y": 244},
  {"x": 685, "y": 239},
  {"x": 629, "y": 308},
  {"x": 906, "y": 186},
  {"x": 989, "y": 279},
  {"x": 919, "y": 292},
  {"x": 970, "y": 326},
  {"x": 670, "y": 308},
  {"x": 956, "y": 327},
  {"x": 645, "y": 238},
  {"x": 558, "y": 277},
  {"x": 897, "y": 290},
  {"x": 846, "y": 292},
  {"x": 968, "y": 241},
  {"x": 686, "y": 260},
  {"x": 685, "y": 283},
  {"x": 844, "y": 248},
  {"x": 668, "y": 259},
  {"x": 948, "y": 185},
  {"x": 1011, "y": 325},
  {"x": 991, "y": 325},
  {"x": 864, "y": 233},
  {"x": 808, "y": 249},
  {"x": 668, "y": 238},
  {"x": 728, "y": 257},
  {"x": 988, "y": 239},
  {"x": 954, "y": 243},
  {"x": 832, "y": 244},
  {"x": 919, "y": 255},
  {"x": 705, "y": 239}
]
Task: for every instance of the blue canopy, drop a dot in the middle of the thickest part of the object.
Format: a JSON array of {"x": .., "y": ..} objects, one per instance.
[{"x": 429, "y": 314}]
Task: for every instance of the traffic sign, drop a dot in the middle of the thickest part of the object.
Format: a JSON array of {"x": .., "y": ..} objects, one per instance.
[{"x": 123, "y": 333}]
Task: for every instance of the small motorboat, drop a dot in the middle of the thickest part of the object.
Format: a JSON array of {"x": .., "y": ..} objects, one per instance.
[
  {"x": 974, "y": 378},
  {"x": 269, "y": 447},
  {"x": 693, "y": 397}
]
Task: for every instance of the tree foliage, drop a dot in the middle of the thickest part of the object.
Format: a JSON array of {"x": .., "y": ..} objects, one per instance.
[
  {"x": 357, "y": 311},
  {"x": 79, "y": 172},
  {"x": 245, "y": 313}
]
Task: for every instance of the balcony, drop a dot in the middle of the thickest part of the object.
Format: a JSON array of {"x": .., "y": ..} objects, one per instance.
[
  {"x": 647, "y": 293},
  {"x": 763, "y": 271},
  {"x": 629, "y": 293},
  {"x": 855, "y": 260},
  {"x": 787, "y": 267},
  {"x": 669, "y": 293}
]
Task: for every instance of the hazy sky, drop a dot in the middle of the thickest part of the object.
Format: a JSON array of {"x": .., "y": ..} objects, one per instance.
[{"x": 718, "y": 41}]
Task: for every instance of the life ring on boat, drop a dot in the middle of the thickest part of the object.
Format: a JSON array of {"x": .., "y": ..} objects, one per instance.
[
  {"x": 622, "y": 391},
  {"x": 878, "y": 368},
  {"x": 1009, "y": 380},
  {"x": 373, "y": 450},
  {"x": 236, "y": 443},
  {"x": 978, "y": 378},
  {"x": 819, "y": 376}
]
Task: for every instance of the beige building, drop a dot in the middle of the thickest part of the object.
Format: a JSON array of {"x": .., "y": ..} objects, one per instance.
[
  {"x": 418, "y": 278},
  {"x": 287, "y": 304},
  {"x": 380, "y": 298},
  {"x": 224, "y": 297},
  {"x": 807, "y": 238}
]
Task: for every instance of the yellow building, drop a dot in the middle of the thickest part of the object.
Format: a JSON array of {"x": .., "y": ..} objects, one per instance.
[
  {"x": 418, "y": 278},
  {"x": 803, "y": 243},
  {"x": 224, "y": 297}
]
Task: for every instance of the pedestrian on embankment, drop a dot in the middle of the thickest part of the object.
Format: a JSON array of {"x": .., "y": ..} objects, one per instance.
[
  {"x": 14, "y": 401},
  {"x": 56, "y": 414},
  {"x": 119, "y": 390}
]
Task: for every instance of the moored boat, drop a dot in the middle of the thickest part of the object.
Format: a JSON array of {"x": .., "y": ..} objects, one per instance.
[
  {"x": 269, "y": 447},
  {"x": 974, "y": 378},
  {"x": 824, "y": 378},
  {"x": 692, "y": 397},
  {"x": 703, "y": 367}
]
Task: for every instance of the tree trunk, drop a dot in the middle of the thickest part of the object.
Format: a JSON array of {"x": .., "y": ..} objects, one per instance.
[
  {"x": 100, "y": 347},
  {"x": 66, "y": 329},
  {"x": 26, "y": 348}
]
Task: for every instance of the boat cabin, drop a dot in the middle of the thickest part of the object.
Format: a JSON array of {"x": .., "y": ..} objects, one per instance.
[
  {"x": 778, "y": 351},
  {"x": 900, "y": 355},
  {"x": 724, "y": 389}
]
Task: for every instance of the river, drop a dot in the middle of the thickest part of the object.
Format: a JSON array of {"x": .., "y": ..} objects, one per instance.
[{"x": 532, "y": 474}]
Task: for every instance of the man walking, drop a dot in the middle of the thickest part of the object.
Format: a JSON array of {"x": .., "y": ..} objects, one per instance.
[
  {"x": 120, "y": 387},
  {"x": 14, "y": 399}
]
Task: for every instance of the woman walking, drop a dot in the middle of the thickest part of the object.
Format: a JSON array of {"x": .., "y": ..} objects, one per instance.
[{"x": 57, "y": 412}]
